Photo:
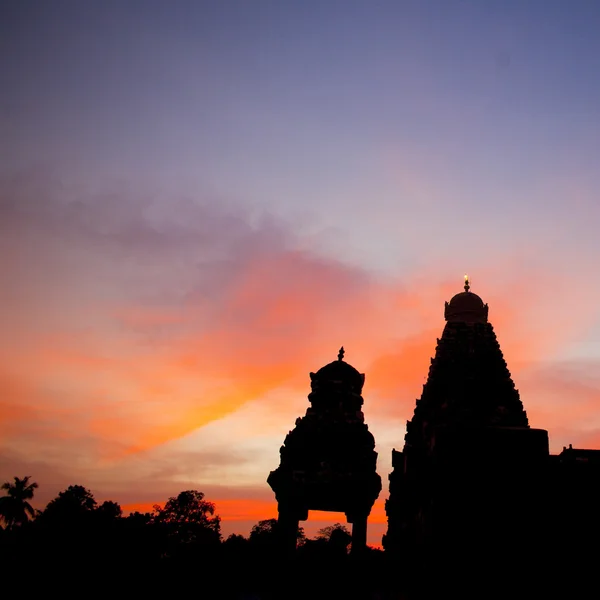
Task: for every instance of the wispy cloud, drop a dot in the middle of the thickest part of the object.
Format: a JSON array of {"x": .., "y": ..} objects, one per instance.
[{"x": 130, "y": 322}]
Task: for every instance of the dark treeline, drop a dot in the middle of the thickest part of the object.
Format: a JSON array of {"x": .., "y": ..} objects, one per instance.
[
  {"x": 78, "y": 547},
  {"x": 76, "y": 539}
]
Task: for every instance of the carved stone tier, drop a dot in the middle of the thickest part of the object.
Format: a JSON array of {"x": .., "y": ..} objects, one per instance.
[{"x": 468, "y": 383}]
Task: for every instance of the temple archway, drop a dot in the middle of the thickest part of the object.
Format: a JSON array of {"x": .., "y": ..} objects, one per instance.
[{"x": 328, "y": 461}]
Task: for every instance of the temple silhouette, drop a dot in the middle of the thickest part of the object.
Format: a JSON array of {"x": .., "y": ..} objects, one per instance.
[
  {"x": 328, "y": 461},
  {"x": 474, "y": 483}
]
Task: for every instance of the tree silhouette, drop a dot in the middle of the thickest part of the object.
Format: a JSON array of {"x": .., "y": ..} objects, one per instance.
[
  {"x": 236, "y": 539},
  {"x": 263, "y": 529},
  {"x": 109, "y": 510},
  {"x": 189, "y": 507},
  {"x": 189, "y": 519},
  {"x": 336, "y": 533},
  {"x": 235, "y": 546},
  {"x": 71, "y": 505},
  {"x": 264, "y": 533},
  {"x": 14, "y": 507},
  {"x": 330, "y": 543},
  {"x": 138, "y": 519},
  {"x": 337, "y": 536}
]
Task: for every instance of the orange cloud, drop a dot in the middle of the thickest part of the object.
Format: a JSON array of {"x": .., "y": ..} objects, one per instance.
[
  {"x": 240, "y": 509},
  {"x": 564, "y": 398},
  {"x": 283, "y": 315},
  {"x": 128, "y": 338}
]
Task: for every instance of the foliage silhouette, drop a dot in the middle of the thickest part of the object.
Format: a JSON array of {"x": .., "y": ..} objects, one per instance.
[
  {"x": 334, "y": 532},
  {"x": 70, "y": 505},
  {"x": 263, "y": 530},
  {"x": 139, "y": 519},
  {"x": 265, "y": 533},
  {"x": 235, "y": 547},
  {"x": 168, "y": 547},
  {"x": 330, "y": 543},
  {"x": 15, "y": 508},
  {"x": 109, "y": 510},
  {"x": 186, "y": 528},
  {"x": 188, "y": 507},
  {"x": 189, "y": 517},
  {"x": 337, "y": 537},
  {"x": 236, "y": 540}
]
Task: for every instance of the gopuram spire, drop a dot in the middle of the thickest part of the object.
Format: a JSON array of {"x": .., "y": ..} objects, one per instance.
[
  {"x": 468, "y": 381},
  {"x": 468, "y": 425}
]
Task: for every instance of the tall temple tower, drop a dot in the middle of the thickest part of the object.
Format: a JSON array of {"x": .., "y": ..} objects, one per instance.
[
  {"x": 472, "y": 469},
  {"x": 328, "y": 461}
]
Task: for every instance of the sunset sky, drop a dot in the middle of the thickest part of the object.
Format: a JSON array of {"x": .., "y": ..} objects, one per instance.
[{"x": 201, "y": 201}]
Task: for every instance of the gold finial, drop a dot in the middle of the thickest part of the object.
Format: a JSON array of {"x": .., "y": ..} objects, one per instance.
[
  {"x": 467, "y": 284},
  {"x": 341, "y": 353}
]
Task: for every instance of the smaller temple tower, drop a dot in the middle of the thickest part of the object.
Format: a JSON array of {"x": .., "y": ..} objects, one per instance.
[{"x": 328, "y": 461}]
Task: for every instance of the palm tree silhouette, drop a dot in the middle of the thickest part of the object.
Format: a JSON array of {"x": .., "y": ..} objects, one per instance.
[{"x": 14, "y": 507}]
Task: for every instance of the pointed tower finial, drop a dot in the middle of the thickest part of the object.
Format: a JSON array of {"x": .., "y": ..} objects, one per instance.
[
  {"x": 341, "y": 353},
  {"x": 467, "y": 284}
]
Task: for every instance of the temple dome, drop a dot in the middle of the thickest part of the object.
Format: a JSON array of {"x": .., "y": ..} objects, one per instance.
[
  {"x": 339, "y": 371},
  {"x": 466, "y": 307}
]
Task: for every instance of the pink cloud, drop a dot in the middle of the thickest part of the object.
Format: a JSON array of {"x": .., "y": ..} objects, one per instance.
[{"x": 135, "y": 323}]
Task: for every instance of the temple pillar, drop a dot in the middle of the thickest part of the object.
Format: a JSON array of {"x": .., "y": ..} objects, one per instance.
[
  {"x": 287, "y": 527},
  {"x": 359, "y": 534}
]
